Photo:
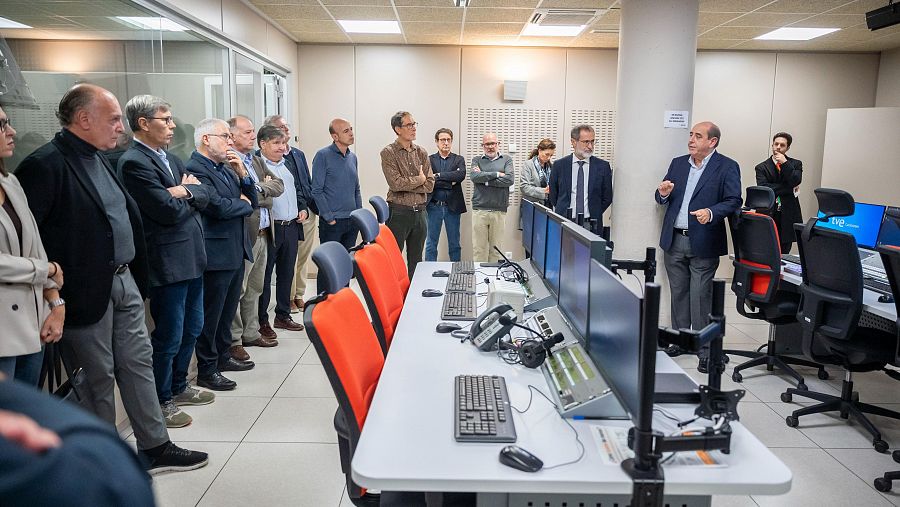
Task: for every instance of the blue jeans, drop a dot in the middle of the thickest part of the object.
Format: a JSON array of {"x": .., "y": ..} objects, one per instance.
[
  {"x": 436, "y": 216},
  {"x": 177, "y": 311},
  {"x": 25, "y": 368}
]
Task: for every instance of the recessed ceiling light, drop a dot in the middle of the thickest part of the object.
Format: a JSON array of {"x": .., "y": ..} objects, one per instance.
[
  {"x": 461, "y": 3},
  {"x": 360, "y": 26},
  {"x": 151, "y": 23},
  {"x": 552, "y": 30},
  {"x": 8, "y": 23},
  {"x": 794, "y": 33}
]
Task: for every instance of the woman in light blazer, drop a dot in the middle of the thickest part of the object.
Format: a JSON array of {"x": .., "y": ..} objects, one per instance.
[
  {"x": 535, "y": 182},
  {"x": 31, "y": 311}
]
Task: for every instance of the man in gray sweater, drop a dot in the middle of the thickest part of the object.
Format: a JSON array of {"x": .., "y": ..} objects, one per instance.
[{"x": 492, "y": 174}]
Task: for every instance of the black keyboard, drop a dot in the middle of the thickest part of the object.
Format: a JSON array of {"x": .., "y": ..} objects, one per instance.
[
  {"x": 482, "y": 411},
  {"x": 791, "y": 258},
  {"x": 461, "y": 282},
  {"x": 877, "y": 285},
  {"x": 458, "y": 306},
  {"x": 463, "y": 267}
]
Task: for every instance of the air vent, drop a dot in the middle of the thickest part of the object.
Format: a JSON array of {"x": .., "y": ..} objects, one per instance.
[{"x": 565, "y": 17}]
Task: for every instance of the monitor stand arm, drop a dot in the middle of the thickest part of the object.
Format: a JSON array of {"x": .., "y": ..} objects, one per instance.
[{"x": 648, "y": 265}]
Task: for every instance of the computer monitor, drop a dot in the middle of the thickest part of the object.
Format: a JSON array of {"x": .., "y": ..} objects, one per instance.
[
  {"x": 889, "y": 234},
  {"x": 598, "y": 246},
  {"x": 539, "y": 239},
  {"x": 527, "y": 224},
  {"x": 554, "y": 235},
  {"x": 863, "y": 224},
  {"x": 614, "y": 338},
  {"x": 574, "y": 277}
]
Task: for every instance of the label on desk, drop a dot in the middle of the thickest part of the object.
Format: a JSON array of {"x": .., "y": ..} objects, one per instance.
[{"x": 612, "y": 444}]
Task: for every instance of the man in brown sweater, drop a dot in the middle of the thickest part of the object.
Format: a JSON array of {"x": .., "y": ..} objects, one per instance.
[{"x": 407, "y": 170}]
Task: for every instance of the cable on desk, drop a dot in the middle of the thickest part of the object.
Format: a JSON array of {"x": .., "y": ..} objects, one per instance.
[
  {"x": 640, "y": 283},
  {"x": 581, "y": 450}
]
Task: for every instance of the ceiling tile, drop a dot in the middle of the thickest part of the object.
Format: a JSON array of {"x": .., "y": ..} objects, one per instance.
[
  {"x": 881, "y": 44},
  {"x": 498, "y": 15},
  {"x": 299, "y": 12},
  {"x": 433, "y": 14},
  {"x": 767, "y": 19},
  {"x": 433, "y": 39},
  {"x": 424, "y": 3},
  {"x": 731, "y": 5},
  {"x": 310, "y": 25},
  {"x": 11, "y": 10},
  {"x": 716, "y": 18},
  {"x": 484, "y": 40},
  {"x": 738, "y": 32},
  {"x": 598, "y": 40},
  {"x": 362, "y": 12},
  {"x": 529, "y": 4},
  {"x": 832, "y": 21},
  {"x": 321, "y": 38},
  {"x": 852, "y": 35},
  {"x": 807, "y": 6},
  {"x": 384, "y": 3},
  {"x": 859, "y": 7},
  {"x": 81, "y": 8},
  {"x": 493, "y": 28},
  {"x": 284, "y": 3},
  {"x": 716, "y": 43},
  {"x": 577, "y": 4},
  {"x": 370, "y": 38},
  {"x": 436, "y": 29}
]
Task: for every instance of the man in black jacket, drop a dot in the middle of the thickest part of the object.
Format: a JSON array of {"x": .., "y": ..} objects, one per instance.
[
  {"x": 92, "y": 227},
  {"x": 169, "y": 199},
  {"x": 446, "y": 203},
  {"x": 783, "y": 175}
]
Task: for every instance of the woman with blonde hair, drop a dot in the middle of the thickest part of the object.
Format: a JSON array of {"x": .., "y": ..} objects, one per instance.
[{"x": 535, "y": 183}]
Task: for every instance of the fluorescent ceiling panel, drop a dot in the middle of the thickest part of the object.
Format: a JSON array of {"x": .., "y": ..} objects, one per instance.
[
  {"x": 368, "y": 26},
  {"x": 796, "y": 33},
  {"x": 151, "y": 23},
  {"x": 552, "y": 30},
  {"x": 8, "y": 23}
]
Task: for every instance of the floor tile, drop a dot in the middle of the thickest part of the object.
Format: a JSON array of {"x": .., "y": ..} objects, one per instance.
[
  {"x": 829, "y": 431},
  {"x": 734, "y": 335},
  {"x": 874, "y": 386},
  {"x": 306, "y": 381},
  {"x": 820, "y": 481},
  {"x": 769, "y": 427},
  {"x": 768, "y": 385},
  {"x": 733, "y": 501},
  {"x": 225, "y": 420},
  {"x": 755, "y": 331},
  {"x": 310, "y": 356},
  {"x": 287, "y": 351},
  {"x": 867, "y": 465},
  {"x": 186, "y": 489},
  {"x": 296, "y": 420},
  {"x": 345, "y": 500},
  {"x": 262, "y": 380},
  {"x": 727, "y": 383},
  {"x": 301, "y": 475}
]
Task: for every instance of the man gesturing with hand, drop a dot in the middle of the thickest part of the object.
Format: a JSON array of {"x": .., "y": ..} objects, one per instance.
[{"x": 699, "y": 191}]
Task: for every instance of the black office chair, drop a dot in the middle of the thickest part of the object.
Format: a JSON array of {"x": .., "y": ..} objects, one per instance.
[
  {"x": 830, "y": 308},
  {"x": 757, "y": 276},
  {"x": 890, "y": 258}
]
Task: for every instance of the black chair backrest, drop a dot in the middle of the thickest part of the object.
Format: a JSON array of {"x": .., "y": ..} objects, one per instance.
[
  {"x": 382, "y": 210},
  {"x": 757, "y": 254},
  {"x": 367, "y": 224},
  {"x": 832, "y": 288},
  {"x": 335, "y": 267},
  {"x": 890, "y": 258}
]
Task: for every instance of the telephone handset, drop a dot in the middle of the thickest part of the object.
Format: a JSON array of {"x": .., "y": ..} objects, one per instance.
[{"x": 487, "y": 328}]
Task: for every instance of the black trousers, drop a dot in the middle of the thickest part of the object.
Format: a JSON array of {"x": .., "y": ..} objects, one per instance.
[
  {"x": 409, "y": 228},
  {"x": 221, "y": 295},
  {"x": 343, "y": 231},
  {"x": 282, "y": 255}
]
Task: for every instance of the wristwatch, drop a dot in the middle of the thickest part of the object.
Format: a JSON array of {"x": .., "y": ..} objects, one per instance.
[{"x": 57, "y": 302}]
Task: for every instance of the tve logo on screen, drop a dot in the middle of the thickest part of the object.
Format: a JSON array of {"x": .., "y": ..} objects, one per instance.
[{"x": 863, "y": 224}]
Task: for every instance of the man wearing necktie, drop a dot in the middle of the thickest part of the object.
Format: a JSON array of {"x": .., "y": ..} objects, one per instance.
[
  {"x": 783, "y": 175},
  {"x": 581, "y": 184}
]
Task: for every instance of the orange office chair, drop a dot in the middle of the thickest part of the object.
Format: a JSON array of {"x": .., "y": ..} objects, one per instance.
[
  {"x": 379, "y": 286},
  {"x": 387, "y": 241}
]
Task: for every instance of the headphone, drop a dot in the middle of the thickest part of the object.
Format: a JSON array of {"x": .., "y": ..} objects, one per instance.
[{"x": 534, "y": 351}]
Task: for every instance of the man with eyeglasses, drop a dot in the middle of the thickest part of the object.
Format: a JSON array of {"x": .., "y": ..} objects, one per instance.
[
  {"x": 407, "y": 170},
  {"x": 446, "y": 203},
  {"x": 170, "y": 200},
  {"x": 335, "y": 185},
  {"x": 232, "y": 196},
  {"x": 492, "y": 174},
  {"x": 581, "y": 184}
]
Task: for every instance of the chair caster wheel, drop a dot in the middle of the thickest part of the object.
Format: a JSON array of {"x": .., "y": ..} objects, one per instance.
[
  {"x": 726, "y": 359},
  {"x": 823, "y": 375},
  {"x": 802, "y": 386},
  {"x": 883, "y": 485},
  {"x": 792, "y": 421},
  {"x": 880, "y": 446},
  {"x": 896, "y": 456},
  {"x": 737, "y": 377},
  {"x": 786, "y": 397}
]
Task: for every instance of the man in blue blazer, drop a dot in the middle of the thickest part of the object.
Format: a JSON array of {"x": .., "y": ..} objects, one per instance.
[
  {"x": 581, "y": 183},
  {"x": 700, "y": 190},
  {"x": 232, "y": 196}
]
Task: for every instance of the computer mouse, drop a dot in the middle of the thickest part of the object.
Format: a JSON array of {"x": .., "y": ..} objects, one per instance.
[
  {"x": 515, "y": 457},
  {"x": 446, "y": 327},
  {"x": 440, "y": 273},
  {"x": 431, "y": 293}
]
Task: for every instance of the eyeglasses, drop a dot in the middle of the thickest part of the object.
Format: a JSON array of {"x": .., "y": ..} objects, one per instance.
[
  {"x": 445, "y": 140},
  {"x": 410, "y": 125},
  {"x": 587, "y": 142},
  {"x": 223, "y": 136},
  {"x": 168, "y": 119},
  {"x": 4, "y": 124},
  {"x": 489, "y": 144}
]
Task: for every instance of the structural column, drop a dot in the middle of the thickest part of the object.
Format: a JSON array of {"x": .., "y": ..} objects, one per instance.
[{"x": 657, "y": 51}]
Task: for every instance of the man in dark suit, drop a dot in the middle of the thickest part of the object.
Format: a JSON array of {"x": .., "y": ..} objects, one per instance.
[
  {"x": 700, "y": 190},
  {"x": 169, "y": 200},
  {"x": 446, "y": 203},
  {"x": 232, "y": 196},
  {"x": 92, "y": 227},
  {"x": 578, "y": 190},
  {"x": 783, "y": 175}
]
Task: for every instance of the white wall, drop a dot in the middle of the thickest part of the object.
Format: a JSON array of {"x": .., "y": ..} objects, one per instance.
[{"x": 889, "y": 79}]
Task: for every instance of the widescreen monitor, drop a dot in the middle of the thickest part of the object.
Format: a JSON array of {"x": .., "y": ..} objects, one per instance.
[
  {"x": 539, "y": 239},
  {"x": 527, "y": 225},
  {"x": 889, "y": 234},
  {"x": 863, "y": 224},
  {"x": 614, "y": 339},
  {"x": 574, "y": 276},
  {"x": 554, "y": 234}
]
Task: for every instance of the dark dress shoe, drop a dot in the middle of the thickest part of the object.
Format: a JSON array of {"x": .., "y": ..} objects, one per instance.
[
  {"x": 233, "y": 364},
  {"x": 298, "y": 302},
  {"x": 674, "y": 351},
  {"x": 238, "y": 352},
  {"x": 216, "y": 382},
  {"x": 266, "y": 331},
  {"x": 703, "y": 365},
  {"x": 262, "y": 341},
  {"x": 288, "y": 324}
]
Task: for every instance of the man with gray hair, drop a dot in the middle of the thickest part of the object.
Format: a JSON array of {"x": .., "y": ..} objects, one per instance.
[
  {"x": 407, "y": 170},
  {"x": 492, "y": 174},
  {"x": 92, "y": 228},
  {"x": 579, "y": 192},
  {"x": 169, "y": 199},
  {"x": 232, "y": 196}
]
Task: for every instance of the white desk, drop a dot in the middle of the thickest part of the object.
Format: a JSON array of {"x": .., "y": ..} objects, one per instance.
[{"x": 407, "y": 442}]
